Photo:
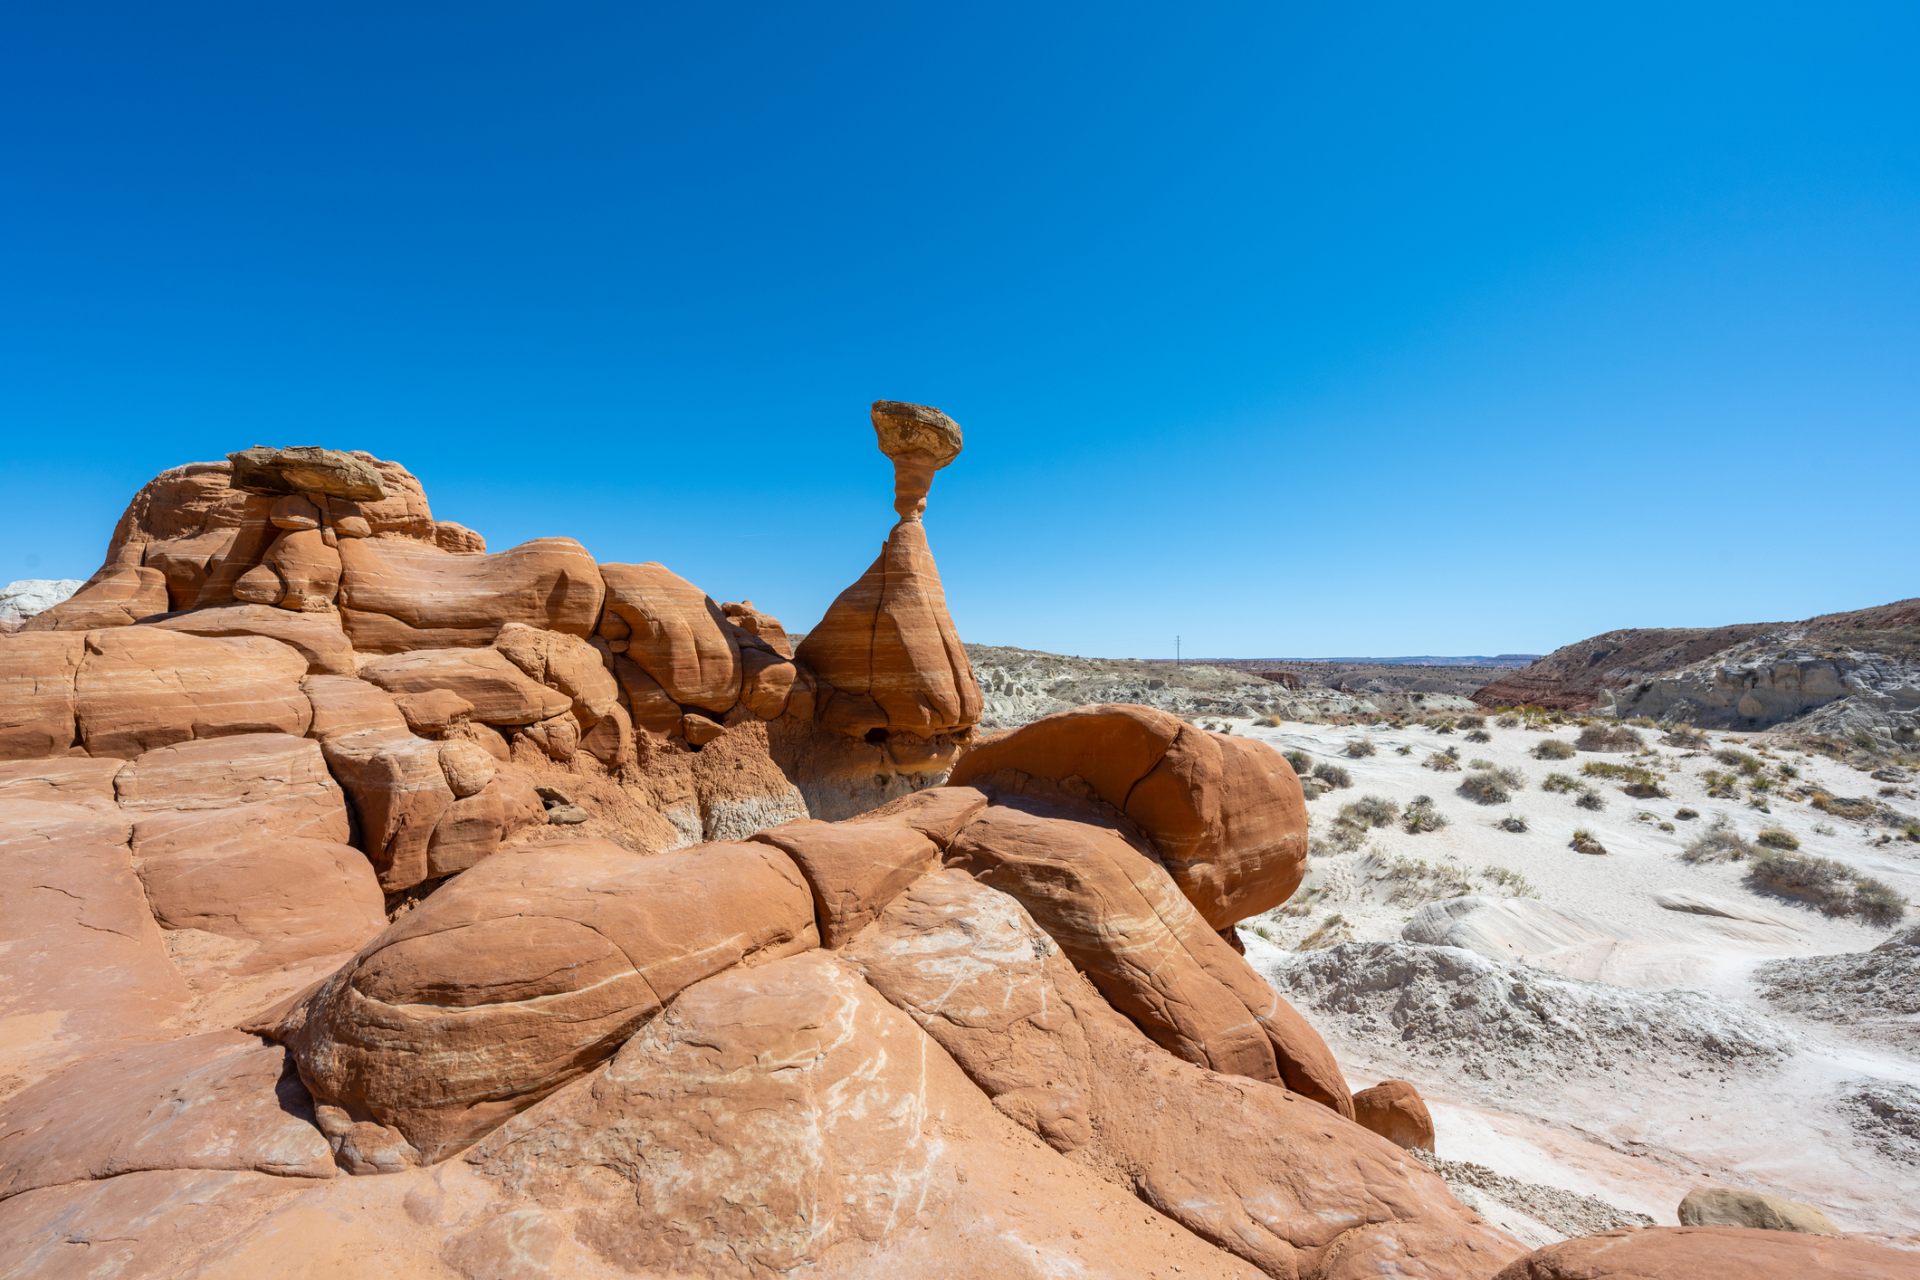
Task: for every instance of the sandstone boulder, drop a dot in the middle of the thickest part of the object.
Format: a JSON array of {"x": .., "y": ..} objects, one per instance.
[
  {"x": 1259, "y": 1172},
  {"x": 317, "y": 636},
  {"x": 1714, "y": 1253},
  {"x": 213, "y": 1101},
  {"x": 564, "y": 663},
  {"x": 37, "y": 671},
  {"x": 1225, "y": 814},
  {"x": 499, "y": 692},
  {"x": 528, "y": 970},
  {"x": 117, "y": 595},
  {"x": 397, "y": 594},
  {"x": 138, "y": 688},
  {"x": 676, "y": 633},
  {"x": 474, "y": 826},
  {"x": 782, "y": 1119},
  {"x": 1125, "y": 924},
  {"x": 1395, "y": 1110},
  {"x": 853, "y": 868},
  {"x": 1732, "y": 1207},
  {"x": 399, "y": 793}
]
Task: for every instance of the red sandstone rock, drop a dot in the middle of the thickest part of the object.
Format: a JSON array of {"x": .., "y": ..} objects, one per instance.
[
  {"x": 783, "y": 1119},
  {"x": 307, "y": 469},
  {"x": 115, "y": 596},
  {"x": 397, "y": 595},
  {"x": 854, "y": 869},
  {"x": 142, "y": 687},
  {"x": 1225, "y": 814},
  {"x": 473, "y": 826},
  {"x": 499, "y": 692},
  {"x": 317, "y": 636},
  {"x": 1395, "y": 1110},
  {"x": 1261, "y": 1173},
  {"x": 204, "y": 1102},
  {"x": 344, "y": 704},
  {"x": 564, "y": 663},
  {"x": 763, "y": 627},
  {"x": 86, "y": 965},
  {"x": 920, "y": 439},
  {"x": 1714, "y": 1253},
  {"x": 676, "y": 633},
  {"x": 399, "y": 793},
  {"x": 433, "y": 712},
  {"x": 527, "y": 970},
  {"x": 1127, "y": 926},
  {"x": 37, "y": 672},
  {"x": 766, "y": 682}
]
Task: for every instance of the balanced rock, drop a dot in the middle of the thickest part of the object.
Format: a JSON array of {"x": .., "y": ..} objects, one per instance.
[
  {"x": 920, "y": 439},
  {"x": 306, "y": 469}
]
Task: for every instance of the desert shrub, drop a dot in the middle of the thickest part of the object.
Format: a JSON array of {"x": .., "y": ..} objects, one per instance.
[
  {"x": 1685, "y": 814},
  {"x": 1590, "y": 799},
  {"x": 1443, "y": 761},
  {"x": 1484, "y": 786},
  {"x": 1270, "y": 721},
  {"x": 1403, "y": 750},
  {"x": 1744, "y": 761},
  {"x": 1359, "y": 748},
  {"x": 1479, "y": 762},
  {"x": 1421, "y": 816},
  {"x": 1686, "y": 738},
  {"x": 1584, "y": 841},
  {"x": 1512, "y": 881},
  {"x": 1859, "y": 809},
  {"x": 1560, "y": 782},
  {"x": 1718, "y": 843},
  {"x": 1553, "y": 749},
  {"x": 1777, "y": 838},
  {"x": 1479, "y": 735},
  {"x": 1830, "y": 887},
  {"x": 1508, "y": 720},
  {"x": 1370, "y": 811},
  {"x": 1642, "y": 722},
  {"x": 1721, "y": 786},
  {"x": 1302, "y": 762},
  {"x": 1513, "y": 822},
  {"x": 1441, "y": 725},
  {"x": 1607, "y": 737},
  {"x": 1473, "y": 722},
  {"x": 1332, "y": 774}
]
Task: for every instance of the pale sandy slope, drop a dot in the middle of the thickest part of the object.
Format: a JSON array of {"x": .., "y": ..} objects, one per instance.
[{"x": 1617, "y": 1090}]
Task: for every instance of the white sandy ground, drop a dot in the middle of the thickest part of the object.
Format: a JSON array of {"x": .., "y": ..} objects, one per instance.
[{"x": 1653, "y": 1124}]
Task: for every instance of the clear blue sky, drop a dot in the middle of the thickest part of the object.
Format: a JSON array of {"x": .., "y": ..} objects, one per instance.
[{"x": 1290, "y": 329}]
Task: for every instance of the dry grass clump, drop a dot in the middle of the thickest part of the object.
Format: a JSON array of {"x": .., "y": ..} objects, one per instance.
[
  {"x": 1832, "y": 888},
  {"x": 1608, "y": 737},
  {"x": 1686, "y": 738},
  {"x": 1584, "y": 841},
  {"x": 1491, "y": 786},
  {"x": 1636, "y": 780},
  {"x": 1359, "y": 748},
  {"x": 1447, "y": 761},
  {"x": 1270, "y": 721},
  {"x": 1553, "y": 749},
  {"x": 1479, "y": 735},
  {"x": 1858, "y": 808},
  {"x": 1417, "y": 880},
  {"x": 1590, "y": 799},
  {"x": 1720, "y": 785},
  {"x": 1685, "y": 814},
  {"x": 1719, "y": 843},
  {"x": 1302, "y": 762},
  {"x": 1561, "y": 782},
  {"x": 1508, "y": 720},
  {"x": 1512, "y": 881},
  {"x": 1336, "y": 838},
  {"x": 1745, "y": 761},
  {"x": 1370, "y": 811},
  {"x": 1777, "y": 838},
  {"x": 1421, "y": 816}
]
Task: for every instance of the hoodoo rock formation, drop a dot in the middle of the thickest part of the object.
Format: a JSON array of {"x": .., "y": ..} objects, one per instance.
[{"x": 373, "y": 904}]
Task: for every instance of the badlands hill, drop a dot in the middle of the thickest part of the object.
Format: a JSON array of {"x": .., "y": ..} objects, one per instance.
[
  {"x": 1838, "y": 675},
  {"x": 373, "y": 904}
]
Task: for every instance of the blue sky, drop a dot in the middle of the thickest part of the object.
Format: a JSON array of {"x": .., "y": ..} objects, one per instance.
[{"x": 1290, "y": 330}]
